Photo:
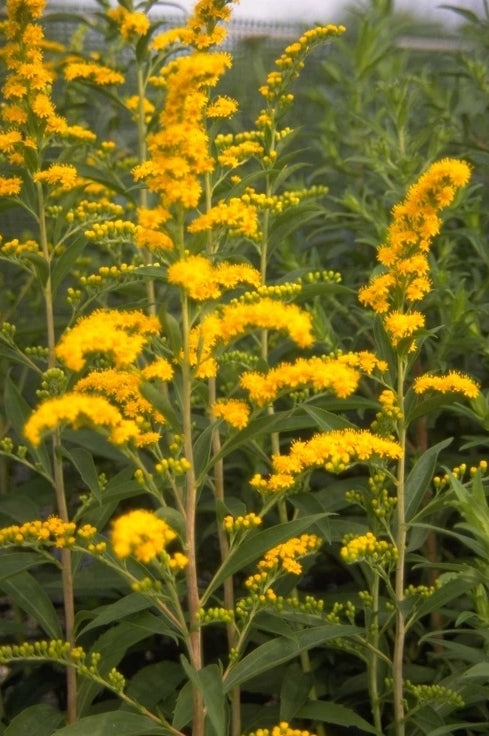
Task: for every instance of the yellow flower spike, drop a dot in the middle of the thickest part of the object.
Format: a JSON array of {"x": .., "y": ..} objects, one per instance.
[
  {"x": 452, "y": 382},
  {"x": 234, "y": 411},
  {"x": 80, "y": 410},
  {"x": 121, "y": 334}
]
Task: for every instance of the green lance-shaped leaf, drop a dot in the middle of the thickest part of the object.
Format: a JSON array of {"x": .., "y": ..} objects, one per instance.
[
  {"x": 420, "y": 477},
  {"x": 281, "y": 650},
  {"x": 114, "y": 723},
  {"x": 41, "y": 720},
  {"x": 31, "y": 597},
  {"x": 319, "y": 710},
  {"x": 12, "y": 563},
  {"x": 209, "y": 681},
  {"x": 18, "y": 411}
]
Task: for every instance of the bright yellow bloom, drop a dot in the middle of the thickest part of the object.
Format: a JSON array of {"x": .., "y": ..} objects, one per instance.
[
  {"x": 322, "y": 373},
  {"x": 401, "y": 325},
  {"x": 130, "y": 23},
  {"x": 335, "y": 451},
  {"x": 64, "y": 175},
  {"x": 123, "y": 388},
  {"x": 239, "y": 218},
  {"x": 404, "y": 254},
  {"x": 102, "y": 75},
  {"x": 79, "y": 410},
  {"x": 452, "y": 382},
  {"x": 159, "y": 368},
  {"x": 51, "y": 531},
  {"x": 222, "y": 107},
  {"x": 10, "y": 186},
  {"x": 233, "y": 411},
  {"x": 285, "y": 556},
  {"x": 121, "y": 334},
  {"x": 201, "y": 280},
  {"x": 238, "y": 318},
  {"x": 141, "y": 534}
]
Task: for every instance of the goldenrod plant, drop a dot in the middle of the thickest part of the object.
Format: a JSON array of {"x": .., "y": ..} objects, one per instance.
[{"x": 182, "y": 446}]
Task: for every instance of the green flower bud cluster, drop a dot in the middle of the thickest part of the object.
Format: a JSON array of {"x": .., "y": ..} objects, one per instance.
[
  {"x": 177, "y": 466},
  {"x": 215, "y": 615},
  {"x": 423, "y": 591},
  {"x": 7, "y": 330},
  {"x": 107, "y": 274},
  {"x": 116, "y": 680},
  {"x": 366, "y": 598},
  {"x": 148, "y": 586},
  {"x": 429, "y": 693},
  {"x": 300, "y": 396},
  {"x": 340, "y": 611},
  {"x": 73, "y": 296},
  {"x": 37, "y": 351},
  {"x": 87, "y": 211},
  {"x": 314, "y": 277},
  {"x": 7, "y": 446},
  {"x": 242, "y": 357},
  {"x": 53, "y": 384}
]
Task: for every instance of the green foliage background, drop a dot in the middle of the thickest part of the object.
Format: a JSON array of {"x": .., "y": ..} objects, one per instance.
[{"x": 369, "y": 116}]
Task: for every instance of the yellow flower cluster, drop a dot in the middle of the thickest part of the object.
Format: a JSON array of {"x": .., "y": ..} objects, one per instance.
[
  {"x": 405, "y": 252},
  {"x": 80, "y": 410},
  {"x": 334, "y": 451},
  {"x": 276, "y": 88},
  {"x": 452, "y": 382},
  {"x": 179, "y": 150},
  {"x": 222, "y": 107},
  {"x": 131, "y": 24},
  {"x": 63, "y": 175},
  {"x": 93, "y": 71},
  {"x": 16, "y": 248},
  {"x": 52, "y": 531},
  {"x": 233, "y": 524},
  {"x": 143, "y": 535},
  {"x": 10, "y": 186},
  {"x": 234, "y": 214},
  {"x": 367, "y": 547},
  {"x": 202, "y": 30},
  {"x": 286, "y": 555},
  {"x": 234, "y": 411},
  {"x": 234, "y": 154},
  {"x": 124, "y": 388},
  {"x": 338, "y": 374},
  {"x": 283, "y": 729},
  {"x": 237, "y": 318},
  {"x": 28, "y": 111},
  {"x": 201, "y": 280},
  {"x": 121, "y": 334}
]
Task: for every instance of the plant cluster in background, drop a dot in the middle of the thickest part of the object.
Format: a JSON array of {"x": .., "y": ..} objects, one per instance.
[{"x": 230, "y": 503}]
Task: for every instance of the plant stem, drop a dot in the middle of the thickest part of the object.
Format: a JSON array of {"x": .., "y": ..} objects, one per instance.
[
  {"x": 401, "y": 536},
  {"x": 58, "y": 476},
  {"x": 373, "y": 661},
  {"x": 194, "y": 604},
  {"x": 143, "y": 193},
  {"x": 228, "y": 585}
]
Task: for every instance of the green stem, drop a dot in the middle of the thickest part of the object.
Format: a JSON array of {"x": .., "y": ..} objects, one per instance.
[
  {"x": 58, "y": 476},
  {"x": 143, "y": 193},
  {"x": 194, "y": 604},
  {"x": 228, "y": 584},
  {"x": 399, "y": 587},
  {"x": 373, "y": 660}
]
